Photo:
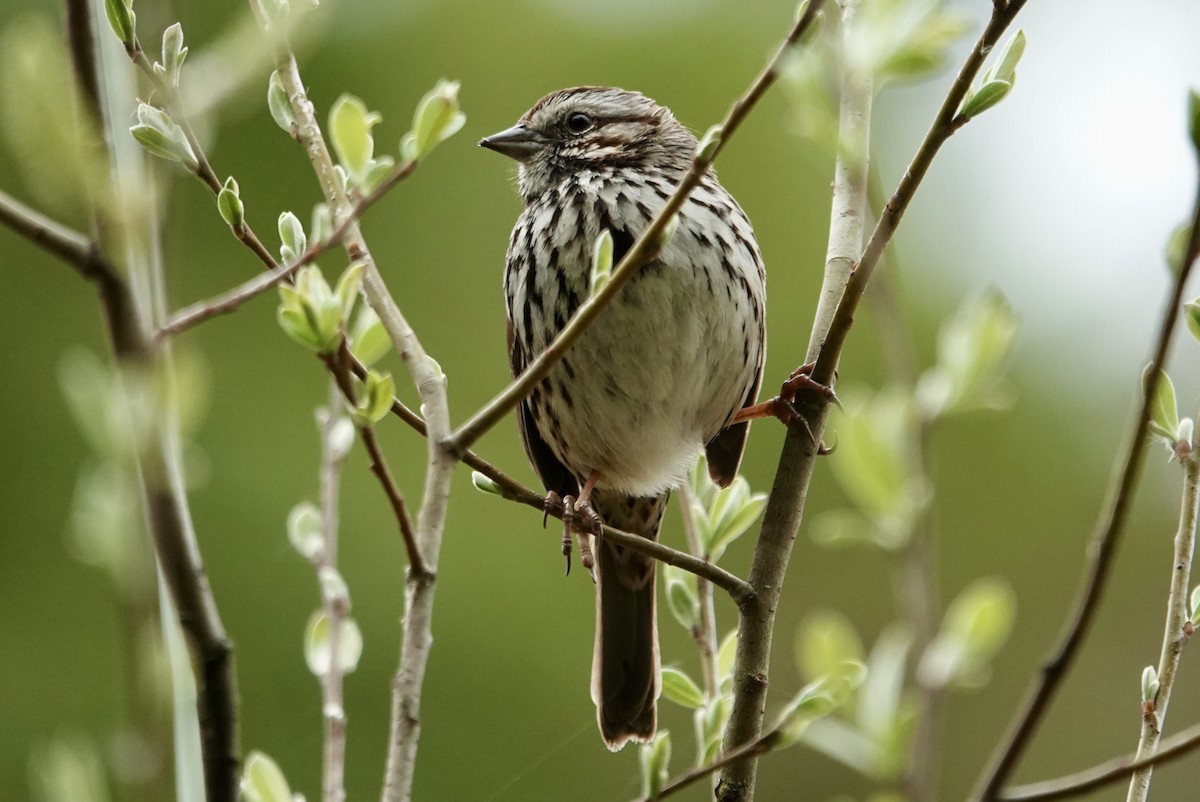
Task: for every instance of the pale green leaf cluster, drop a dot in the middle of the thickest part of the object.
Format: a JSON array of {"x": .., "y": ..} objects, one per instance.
[
  {"x": 874, "y": 435},
  {"x": 280, "y": 105},
  {"x": 655, "y": 758},
  {"x": 305, "y": 529},
  {"x": 173, "y": 54},
  {"x": 721, "y": 515},
  {"x": 318, "y": 647},
  {"x": 485, "y": 485},
  {"x": 974, "y": 347},
  {"x": 350, "y": 124},
  {"x": 374, "y": 400},
  {"x": 1150, "y": 684},
  {"x": 436, "y": 119},
  {"x": 161, "y": 136},
  {"x": 602, "y": 261},
  {"x": 1174, "y": 432},
  {"x": 901, "y": 39},
  {"x": 263, "y": 781},
  {"x": 977, "y": 624},
  {"x": 682, "y": 598},
  {"x": 122, "y": 19},
  {"x": 69, "y": 766},
  {"x": 997, "y": 81},
  {"x": 229, "y": 204},
  {"x": 310, "y": 312}
]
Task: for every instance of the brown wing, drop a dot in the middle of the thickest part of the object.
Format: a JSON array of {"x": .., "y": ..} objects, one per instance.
[
  {"x": 554, "y": 474},
  {"x": 724, "y": 451}
]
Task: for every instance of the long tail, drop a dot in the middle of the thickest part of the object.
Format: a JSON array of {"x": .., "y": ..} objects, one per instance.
[{"x": 625, "y": 666}]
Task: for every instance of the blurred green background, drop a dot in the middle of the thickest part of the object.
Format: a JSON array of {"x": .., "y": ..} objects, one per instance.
[{"x": 1060, "y": 198}]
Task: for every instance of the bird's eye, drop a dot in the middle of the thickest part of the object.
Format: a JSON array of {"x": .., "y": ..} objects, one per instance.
[{"x": 578, "y": 122}]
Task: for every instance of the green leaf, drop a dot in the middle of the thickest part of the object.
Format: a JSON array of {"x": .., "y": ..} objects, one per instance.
[
  {"x": 376, "y": 400},
  {"x": 870, "y": 462},
  {"x": 1176, "y": 250},
  {"x": 279, "y": 105},
  {"x": 681, "y": 689},
  {"x": 350, "y": 125},
  {"x": 369, "y": 340},
  {"x": 348, "y": 286},
  {"x": 706, "y": 148},
  {"x": 1150, "y": 684},
  {"x": 317, "y": 644},
  {"x": 682, "y": 598},
  {"x": 309, "y": 312},
  {"x": 291, "y": 237},
  {"x": 726, "y": 653},
  {"x": 305, "y": 530},
  {"x": 437, "y": 118},
  {"x": 378, "y": 171},
  {"x": 1191, "y": 314},
  {"x": 263, "y": 781},
  {"x": 334, "y": 588},
  {"x": 229, "y": 204},
  {"x": 835, "y": 529},
  {"x": 173, "y": 53},
  {"x": 1193, "y": 113},
  {"x": 984, "y": 98},
  {"x": 825, "y": 640},
  {"x": 1164, "y": 414},
  {"x": 322, "y": 222},
  {"x": 485, "y": 485},
  {"x": 1010, "y": 56},
  {"x": 974, "y": 346},
  {"x": 122, "y": 19},
  {"x": 655, "y": 758},
  {"x": 881, "y": 695},
  {"x": 709, "y": 722},
  {"x": 602, "y": 261},
  {"x": 982, "y": 616}
]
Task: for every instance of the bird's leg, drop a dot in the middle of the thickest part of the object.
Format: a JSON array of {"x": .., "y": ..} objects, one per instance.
[
  {"x": 580, "y": 517},
  {"x": 584, "y": 510},
  {"x": 782, "y": 407}
]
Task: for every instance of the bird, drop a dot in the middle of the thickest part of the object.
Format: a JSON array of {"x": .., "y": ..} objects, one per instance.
[{"x": 661, "y": 374}]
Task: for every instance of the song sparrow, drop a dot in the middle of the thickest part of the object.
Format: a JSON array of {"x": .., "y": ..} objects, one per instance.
[{"x": 620, "y": 421}]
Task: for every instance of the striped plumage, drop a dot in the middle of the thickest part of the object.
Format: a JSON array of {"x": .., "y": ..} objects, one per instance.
[{"x": 659, "y": 374}]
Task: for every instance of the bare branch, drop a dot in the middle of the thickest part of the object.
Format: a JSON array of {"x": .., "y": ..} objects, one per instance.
[
  {"x": 1107, "y": 773},
  {"x": 1102, "y": 546},
  {"x": 167, "y": 513},
  {"x": 53, "y": 237},
  {"x": 785, "y": 506}
]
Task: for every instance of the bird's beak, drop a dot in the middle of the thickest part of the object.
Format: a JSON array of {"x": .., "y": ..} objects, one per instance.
[{"x": 519, "y": 142}]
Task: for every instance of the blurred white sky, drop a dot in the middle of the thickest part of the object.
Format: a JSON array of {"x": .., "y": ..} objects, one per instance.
[{"x": 1075, "y": 181}]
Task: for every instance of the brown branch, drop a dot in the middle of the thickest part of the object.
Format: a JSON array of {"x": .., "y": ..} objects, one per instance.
[
  {"x": 785, "y": 506},
  {"x": 53, "y": 237},
  {"x": 1102, "y": 546},
  {"x": 166, "y": 507},
  {"x": 229, "y": 301},
  {"x": 1106, "y": 773},
  {"x": 337, "y": 366},
  {"x": 760, "y": 746},
  {"x": 642, "y": 251}
]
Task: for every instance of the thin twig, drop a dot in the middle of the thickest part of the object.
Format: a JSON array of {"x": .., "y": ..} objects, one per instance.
[
  {"x": 760, "y": 746},
  {"x": 1102, "y": 546},
  {"x": 1175, "y": 636},
  {"x": 337, "y": 366},
  {"x": 1107, "y": 773},
  {"x": 229, "y": 301},
  {"x": 333, "y": 602},
  {"x": 416, "y": 639},
  {"x": 705, "y": 630},
  {"x": 640, "y": 253},
  {"x": 52, "y": 236},
  {"x": 769, "y": 567},
  {"x": 785, "y": 506},
  {"x": 160, "y": 475}
]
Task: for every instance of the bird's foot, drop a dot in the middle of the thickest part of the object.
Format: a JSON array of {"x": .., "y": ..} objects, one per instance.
[{"x": 783, "y": 406}]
